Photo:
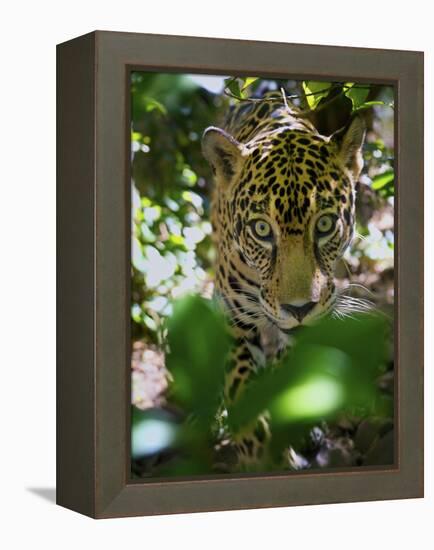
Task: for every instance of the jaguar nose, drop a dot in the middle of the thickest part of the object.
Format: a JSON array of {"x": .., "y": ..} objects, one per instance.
[{"x": 298, "y": 311}]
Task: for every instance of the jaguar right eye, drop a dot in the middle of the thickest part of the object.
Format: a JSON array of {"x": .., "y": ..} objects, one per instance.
[
  {"x": 325, "y": 225},
  {"x": 261, "y": 230}
]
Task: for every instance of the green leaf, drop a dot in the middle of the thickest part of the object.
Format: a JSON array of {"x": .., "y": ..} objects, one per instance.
[
  {"x": 152, "y": 105},
  {"x": 382, "y": 180},
  {"x": 315, "y": 91},
  {"x": 249, "y": 81},
  {"x": 357, "y": 94},
  {"x": 199, "y": 344},
  {"x": 233, "y": 85},
  {"x": 319, "y": 394},
  {"x": 362, "y": 338},
  {"x": 337, "y": 357},
  {"x": 369, "y": 104}
]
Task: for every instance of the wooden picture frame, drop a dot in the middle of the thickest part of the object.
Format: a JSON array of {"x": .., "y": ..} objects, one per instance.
[{"x": 93, "y": 372}]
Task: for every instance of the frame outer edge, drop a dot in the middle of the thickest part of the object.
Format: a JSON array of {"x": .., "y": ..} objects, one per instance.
[
  {"x": 75, "y": 384},
  {"x": 411, "y": 272}
]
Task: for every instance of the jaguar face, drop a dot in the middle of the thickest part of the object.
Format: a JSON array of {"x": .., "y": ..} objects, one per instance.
[{"x": 288, "y": 202}]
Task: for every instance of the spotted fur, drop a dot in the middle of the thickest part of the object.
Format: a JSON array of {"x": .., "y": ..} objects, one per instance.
[{"x": 283, "y": 215}]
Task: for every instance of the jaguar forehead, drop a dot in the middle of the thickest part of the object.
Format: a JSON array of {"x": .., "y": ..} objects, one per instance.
[
  {"x": 291, "y": 195},
  {"x": 260, "y": 206}
]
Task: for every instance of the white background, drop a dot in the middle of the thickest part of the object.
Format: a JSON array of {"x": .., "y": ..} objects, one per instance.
[{"x": 29, "y": 32}]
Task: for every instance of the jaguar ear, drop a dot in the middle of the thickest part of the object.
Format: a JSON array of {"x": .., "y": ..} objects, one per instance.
[
  {"x": 349, "y": 141},
  {"x": 223, "y": 152}
]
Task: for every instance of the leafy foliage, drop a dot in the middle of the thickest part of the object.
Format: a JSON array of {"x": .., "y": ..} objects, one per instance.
[
  {"x": 330, "y": 370},
  {"x": 171, "y": 233}
]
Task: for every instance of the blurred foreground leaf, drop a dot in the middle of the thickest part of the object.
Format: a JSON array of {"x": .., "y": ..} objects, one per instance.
[
  {"x": 199, "y": 344},
  {"x": 333, "y": 366}
]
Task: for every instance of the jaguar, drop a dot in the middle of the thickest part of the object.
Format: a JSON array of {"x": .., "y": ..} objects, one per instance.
[{"x": 283, "y": 214}]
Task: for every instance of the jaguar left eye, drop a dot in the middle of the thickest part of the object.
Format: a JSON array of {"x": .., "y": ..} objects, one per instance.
[
  {"x": 261, "y": 229},
  {"x": 325, "y": 225}
]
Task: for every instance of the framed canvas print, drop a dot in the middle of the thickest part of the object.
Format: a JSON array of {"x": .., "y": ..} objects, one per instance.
[{"x": 240, "y": 262}]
